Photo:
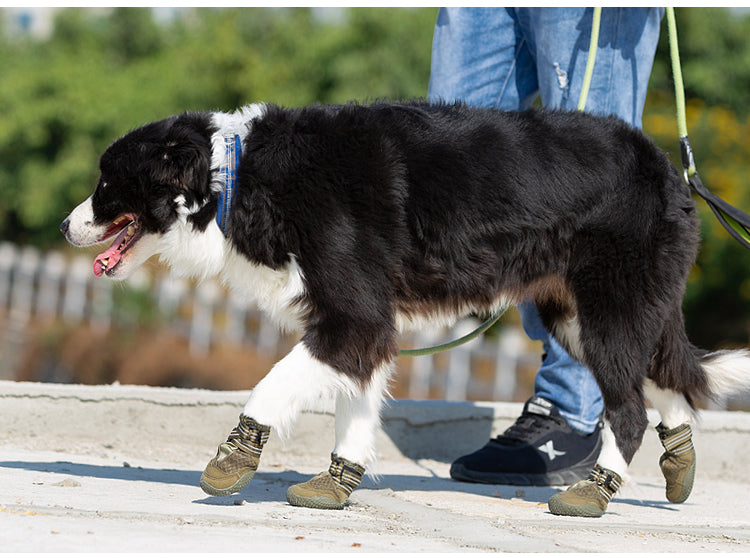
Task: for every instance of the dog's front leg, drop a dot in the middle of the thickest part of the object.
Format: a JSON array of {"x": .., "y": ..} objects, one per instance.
[
  {"x": 357, "y": 421},
  {"x": 358, "y": 418},
  {"x": 296, "y": 382}
]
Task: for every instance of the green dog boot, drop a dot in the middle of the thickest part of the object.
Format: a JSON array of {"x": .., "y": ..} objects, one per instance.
[
  {"x": 587, "y": 498},
  {"x": 678, "y": 462},
  {"x": 236, "y": 459},
  {"x": 330, "y": 489}
]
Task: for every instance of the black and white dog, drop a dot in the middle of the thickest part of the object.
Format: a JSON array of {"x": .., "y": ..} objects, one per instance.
[{"x": 351, "y": 223}]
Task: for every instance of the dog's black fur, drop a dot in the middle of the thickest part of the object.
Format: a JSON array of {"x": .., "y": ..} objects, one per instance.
[{"x": 422, "y": 209}]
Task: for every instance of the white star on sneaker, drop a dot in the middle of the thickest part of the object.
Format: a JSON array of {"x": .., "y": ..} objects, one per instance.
[{"x": 550, "y": 450}]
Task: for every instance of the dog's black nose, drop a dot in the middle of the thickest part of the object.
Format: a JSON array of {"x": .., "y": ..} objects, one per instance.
[{"x": 64, "y": 226}]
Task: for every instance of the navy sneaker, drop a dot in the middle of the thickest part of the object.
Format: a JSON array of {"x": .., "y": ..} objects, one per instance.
[{"x": 540, "y": 449}]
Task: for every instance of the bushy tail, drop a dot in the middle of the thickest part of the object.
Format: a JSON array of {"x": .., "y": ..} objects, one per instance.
[
  {"x": 727, "y": 372},
  {"x": 680, "y": 366}
]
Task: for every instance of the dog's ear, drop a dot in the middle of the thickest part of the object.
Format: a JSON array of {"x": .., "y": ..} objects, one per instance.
[{"x": 185, "y": 155}]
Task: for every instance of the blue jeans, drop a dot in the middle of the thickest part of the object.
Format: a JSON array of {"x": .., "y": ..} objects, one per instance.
[{"x": 503, "y": 58}]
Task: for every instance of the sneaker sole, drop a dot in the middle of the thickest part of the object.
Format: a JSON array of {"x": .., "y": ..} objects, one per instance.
[
  {"x": 556, "y": 478},
  {"x": 236, "y": 487},
  {"x": 557, "y": 506},
  {"x": 316, "y": 502}
]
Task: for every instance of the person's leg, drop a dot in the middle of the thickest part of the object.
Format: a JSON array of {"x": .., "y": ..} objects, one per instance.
[
  {"x": 556, "y": 440},
  {"x": 561, "y": 379},
  {"x": 626, "y": 47},
  {"x": 482, "y": 57},
  {"x": 558, "y": 40},
  {"x": 479, "y": 57},
  {"x": 489, "y": 58}
]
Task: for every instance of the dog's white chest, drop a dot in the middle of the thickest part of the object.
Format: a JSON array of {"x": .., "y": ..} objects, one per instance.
[{"x": 278, "y": 293}]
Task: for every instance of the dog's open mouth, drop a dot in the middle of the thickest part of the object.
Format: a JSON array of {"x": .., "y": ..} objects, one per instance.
[{"x": 128, "y": 230}]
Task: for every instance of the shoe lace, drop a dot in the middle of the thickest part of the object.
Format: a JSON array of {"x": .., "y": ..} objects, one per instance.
[{"x": 527, "y": 426}]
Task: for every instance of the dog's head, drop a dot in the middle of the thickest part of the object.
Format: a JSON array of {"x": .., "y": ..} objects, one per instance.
[{"x": 154, "y": 180}]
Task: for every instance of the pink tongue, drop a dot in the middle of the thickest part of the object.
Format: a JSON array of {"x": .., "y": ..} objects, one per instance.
[{"x": 112, "y": 253}]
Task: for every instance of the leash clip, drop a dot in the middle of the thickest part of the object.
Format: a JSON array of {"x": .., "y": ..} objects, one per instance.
[{"x": 688, "y": 160}]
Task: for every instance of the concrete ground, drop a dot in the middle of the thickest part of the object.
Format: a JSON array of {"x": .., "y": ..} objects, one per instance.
[{"x": 116, "y": 469}]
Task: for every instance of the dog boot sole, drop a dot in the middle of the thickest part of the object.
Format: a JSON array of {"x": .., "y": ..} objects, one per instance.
[
  {"x": 315, "y": 502},
  {"x": 236, "y": 487},
  {"x": 558, "y": 506},
  {"x": 687, "y": 487}
]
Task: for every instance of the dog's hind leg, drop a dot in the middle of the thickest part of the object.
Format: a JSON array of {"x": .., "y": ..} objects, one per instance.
[
  {"x": 590, "y": 497},
  {"x": 295, "y": 383},
  {"x": 672, "y": 406},
  {"x": 677, "y": 463},
  {"x": 618, "y": 357},
  {"x": 675, "y": 379},
  {"x": 357, "y": 421}
]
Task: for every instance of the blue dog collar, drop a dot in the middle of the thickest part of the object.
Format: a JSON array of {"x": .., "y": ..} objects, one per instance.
[{"x": 228, "y": 176}]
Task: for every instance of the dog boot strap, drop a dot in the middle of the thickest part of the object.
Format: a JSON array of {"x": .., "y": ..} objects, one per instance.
[
  {"x": 249, "y": 435},
  {"x": 347, "y": 474}
]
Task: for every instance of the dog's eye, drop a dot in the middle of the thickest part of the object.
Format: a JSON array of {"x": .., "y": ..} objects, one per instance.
[{"x": 103, "y": 183}]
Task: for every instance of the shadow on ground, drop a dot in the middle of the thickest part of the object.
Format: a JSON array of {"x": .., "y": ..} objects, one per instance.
[{"x": 272, "y": 486}]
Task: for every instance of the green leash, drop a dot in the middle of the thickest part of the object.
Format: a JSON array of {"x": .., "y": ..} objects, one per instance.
[
  {"x": 595, "y": 21},
  {"x": 679, "y": 88},
  {"x": 455, "y": 343}
]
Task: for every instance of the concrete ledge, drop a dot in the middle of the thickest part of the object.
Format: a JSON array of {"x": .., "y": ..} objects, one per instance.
[{"x": 161, "y": 423}]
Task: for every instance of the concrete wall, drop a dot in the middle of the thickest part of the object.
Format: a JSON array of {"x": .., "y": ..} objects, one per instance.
[{"x": 154, "y": 423}]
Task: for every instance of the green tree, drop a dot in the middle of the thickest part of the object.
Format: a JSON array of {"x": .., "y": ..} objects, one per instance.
[
  {"x": 134, "y": 33},
  {"x": 715, "y": 56}
]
